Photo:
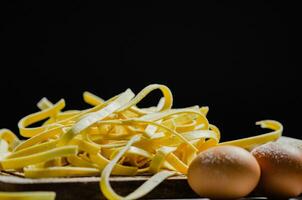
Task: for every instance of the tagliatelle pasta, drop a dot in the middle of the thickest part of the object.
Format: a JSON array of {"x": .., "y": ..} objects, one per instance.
[
  {"x": 27, "y": 195},
  {"x": 114, "y": 137}
]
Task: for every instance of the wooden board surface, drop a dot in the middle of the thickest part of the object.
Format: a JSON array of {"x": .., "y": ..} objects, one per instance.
[{"x": 88, "y": 187}]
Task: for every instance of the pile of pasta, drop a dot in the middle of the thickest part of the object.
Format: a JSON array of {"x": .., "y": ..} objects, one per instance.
[{"x": 113, "y": 137}]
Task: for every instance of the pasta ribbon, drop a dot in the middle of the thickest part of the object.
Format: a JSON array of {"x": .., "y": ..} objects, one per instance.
[
  {"x": 252, "y": 142},
  {"x": 27, "y": 195}
]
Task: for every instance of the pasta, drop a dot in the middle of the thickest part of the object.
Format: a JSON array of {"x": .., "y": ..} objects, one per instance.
[{"x": 114, "y": 137}]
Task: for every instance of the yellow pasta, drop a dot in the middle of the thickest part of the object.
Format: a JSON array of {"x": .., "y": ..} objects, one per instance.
[
  {"x": 114, "y": 137},
  {"x": 27, "y": 195}
]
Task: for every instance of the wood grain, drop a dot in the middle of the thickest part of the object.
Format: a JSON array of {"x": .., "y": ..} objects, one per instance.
[{"x": 88, "y": 187}]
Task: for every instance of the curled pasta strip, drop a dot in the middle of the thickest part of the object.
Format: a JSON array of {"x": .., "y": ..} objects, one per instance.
[
  {"x": 60, "y": 172},
  {"x": 251, "y": 142},
  {"x": 23, "y": 161},
  {"x": 36, "y": 117}
]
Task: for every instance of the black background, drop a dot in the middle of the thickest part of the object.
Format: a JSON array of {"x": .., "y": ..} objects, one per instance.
[{"x": 239, "y": 59}]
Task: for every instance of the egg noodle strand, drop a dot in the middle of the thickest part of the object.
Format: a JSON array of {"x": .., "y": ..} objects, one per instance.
[{"x": 114, "y": 137}]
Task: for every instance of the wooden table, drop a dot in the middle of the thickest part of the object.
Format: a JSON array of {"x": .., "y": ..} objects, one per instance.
[{"x": 88, "y": 187}]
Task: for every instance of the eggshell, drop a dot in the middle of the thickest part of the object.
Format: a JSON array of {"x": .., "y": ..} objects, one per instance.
[
  {"x": 281, "y": 168},
  {"x": 224, "y": 172}
]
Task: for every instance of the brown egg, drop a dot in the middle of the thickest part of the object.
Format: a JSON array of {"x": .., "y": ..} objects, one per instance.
[
  {"x": 291, "y": 141},
  {"x": 224, "y": 172},
  {"x": 281, "y": 168}
]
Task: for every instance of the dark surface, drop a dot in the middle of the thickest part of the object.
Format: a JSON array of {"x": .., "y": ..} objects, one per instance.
[
  {"x": 88, "y": 187},
  {"x": 241, "y": 59}
]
